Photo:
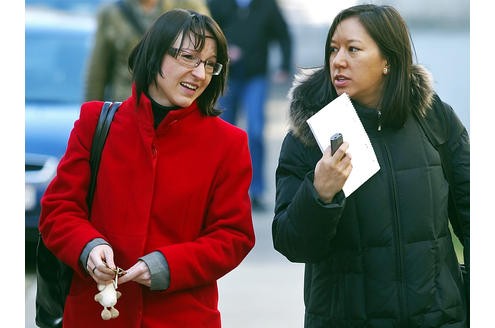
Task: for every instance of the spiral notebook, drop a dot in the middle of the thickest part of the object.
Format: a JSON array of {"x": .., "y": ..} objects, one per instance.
[{"x": 340, "y": 116}]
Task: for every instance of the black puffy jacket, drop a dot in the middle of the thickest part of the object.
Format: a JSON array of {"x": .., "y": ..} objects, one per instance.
[{"x": 382, "y": 257}]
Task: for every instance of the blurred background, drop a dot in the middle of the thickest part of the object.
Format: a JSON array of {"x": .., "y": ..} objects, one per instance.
[{"x": 266, "y": 290}]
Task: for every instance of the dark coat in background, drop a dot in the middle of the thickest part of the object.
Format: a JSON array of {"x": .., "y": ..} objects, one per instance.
[
  {"x": 108, "y": 76},
  {"x": 252, "y": 29},
  {"x": 382, "y": 257}
]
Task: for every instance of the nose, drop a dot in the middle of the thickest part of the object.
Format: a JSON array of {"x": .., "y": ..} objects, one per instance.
[
  {"x": 199, "y": 71},
  {"x": 339, "y": 58}
]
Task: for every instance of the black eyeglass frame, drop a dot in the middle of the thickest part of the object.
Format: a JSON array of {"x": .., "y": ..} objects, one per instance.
[{"x": 194, "y": 62}]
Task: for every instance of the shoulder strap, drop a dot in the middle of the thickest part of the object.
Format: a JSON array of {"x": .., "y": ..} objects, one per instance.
[
  {"x": 106, "y": 116},
  {"x": 436, "y": 128}
]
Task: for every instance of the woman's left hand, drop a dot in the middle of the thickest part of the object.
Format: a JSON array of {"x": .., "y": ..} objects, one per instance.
[{"x": 139, "y": 273}]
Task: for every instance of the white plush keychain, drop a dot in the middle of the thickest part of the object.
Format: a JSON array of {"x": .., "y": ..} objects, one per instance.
[{"x": 108, "y": 296}]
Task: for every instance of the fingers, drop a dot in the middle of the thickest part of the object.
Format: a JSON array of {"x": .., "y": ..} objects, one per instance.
[
  {"x": 331, "y": 172},
  {"x": 108, "y": 253},
  {"x": 339, "y": 154},
  {"x": 139, "y": 273},
  {"x": 102, "y": 269},
  {"x": 100, "y": 264},
  {"x": 102, "y": 272}
]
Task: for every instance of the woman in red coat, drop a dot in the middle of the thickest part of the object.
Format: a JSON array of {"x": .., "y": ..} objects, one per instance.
[{"x": 171, "y": 205}]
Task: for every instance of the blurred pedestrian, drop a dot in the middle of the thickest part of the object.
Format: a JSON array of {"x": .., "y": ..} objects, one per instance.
[
  {"x": 120, "y": 25},
  {"x": 171, "y": 205},
  {"x": 251, "y": 26},
  {"x": 382, "y": 256}
]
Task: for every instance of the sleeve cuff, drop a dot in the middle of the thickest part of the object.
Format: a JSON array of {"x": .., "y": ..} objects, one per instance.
[
  {"x": 337, "y": 201},
  {"x": 87, "y": 249},
  {"x": 159, "y": 270}
]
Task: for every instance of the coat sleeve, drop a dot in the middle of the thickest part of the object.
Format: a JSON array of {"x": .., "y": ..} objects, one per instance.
[
  {"x": 458, "y": 148},
  {"x": 228, "y": 233},
  {"x": 64, "y": 224},
  {"x": 279, "y": 31},
  {"x": 303, "y": 227},
  {"x": 100, "y": 64}
]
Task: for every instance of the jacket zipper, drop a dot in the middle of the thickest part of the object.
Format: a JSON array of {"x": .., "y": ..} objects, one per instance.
[
  {"x": 397, "y": 236},
  {"x": 379, "y": 120}
]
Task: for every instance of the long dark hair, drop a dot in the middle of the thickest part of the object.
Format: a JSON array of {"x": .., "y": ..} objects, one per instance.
[
  {"x": 146, "y": 58},
  {"x": 388, "y": 29}
]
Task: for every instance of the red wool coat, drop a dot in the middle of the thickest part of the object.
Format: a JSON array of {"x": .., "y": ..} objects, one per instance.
[{"x": 181, "y": 189}]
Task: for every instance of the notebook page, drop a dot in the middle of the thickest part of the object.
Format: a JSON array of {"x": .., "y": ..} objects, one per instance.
[{"x": 340, "y": 116}]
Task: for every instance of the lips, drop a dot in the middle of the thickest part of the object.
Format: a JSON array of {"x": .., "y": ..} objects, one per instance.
[{"x": 340, "y": 81}]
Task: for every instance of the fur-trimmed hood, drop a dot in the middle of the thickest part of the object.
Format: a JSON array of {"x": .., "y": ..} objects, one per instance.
[{"x": 301, "y": 109}]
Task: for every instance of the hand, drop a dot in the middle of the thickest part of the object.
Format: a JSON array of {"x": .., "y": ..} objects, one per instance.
[
  {"x": 139, "y": 273},
  {"x": 331, "y": 172},
  {"x": 100, "y": 264}
]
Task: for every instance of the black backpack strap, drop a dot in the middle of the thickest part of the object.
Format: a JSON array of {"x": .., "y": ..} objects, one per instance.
[
  {"x": 53, "y": 277},
  {"x": 106, "y": 116}
]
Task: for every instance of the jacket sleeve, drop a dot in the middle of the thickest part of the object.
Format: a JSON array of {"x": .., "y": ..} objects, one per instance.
[
  {"x": 101, "y": 60},
  {"x": 304, "y": 226},
  {"x": 280, "y": 32},
  {"x": 64, "y": 224},
  {"x": 228, "y": 234},
  {"x": 458, "y": 147}
]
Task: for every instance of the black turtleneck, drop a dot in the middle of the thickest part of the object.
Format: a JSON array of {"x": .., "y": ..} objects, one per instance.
[{"x": 160, "y": 111}]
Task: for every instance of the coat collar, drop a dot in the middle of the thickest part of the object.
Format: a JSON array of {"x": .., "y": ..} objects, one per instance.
[{"x": 145, "y": 112}]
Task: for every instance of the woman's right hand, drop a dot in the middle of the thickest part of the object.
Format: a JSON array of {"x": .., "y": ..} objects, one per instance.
[
  {"x": 100, "y": 264},
  {"x": 331, "y": 172}
]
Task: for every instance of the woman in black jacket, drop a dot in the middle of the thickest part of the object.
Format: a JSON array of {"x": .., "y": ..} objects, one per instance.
[{"x": 382, "y": 257}]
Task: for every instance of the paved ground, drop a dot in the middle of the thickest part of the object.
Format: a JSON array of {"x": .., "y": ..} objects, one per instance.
[{"x": 266, "y": 289}]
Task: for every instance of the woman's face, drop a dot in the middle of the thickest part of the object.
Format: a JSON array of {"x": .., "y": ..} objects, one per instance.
[
  {"x": 180, "y": 85},
  {"x": 356, "y": 63}
]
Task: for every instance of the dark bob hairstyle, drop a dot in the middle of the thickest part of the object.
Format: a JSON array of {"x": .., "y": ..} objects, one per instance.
[{"x": 146, "y": 58}]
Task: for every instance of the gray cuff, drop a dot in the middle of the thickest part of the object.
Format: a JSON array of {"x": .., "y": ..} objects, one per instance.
[
  {"x": 158, "y": 266},
  {"x": 88, "y": 248}
]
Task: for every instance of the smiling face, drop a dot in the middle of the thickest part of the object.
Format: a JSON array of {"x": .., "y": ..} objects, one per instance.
[
  {"x": 179, "y": 85},
  {"x": 357, "y": 66}
]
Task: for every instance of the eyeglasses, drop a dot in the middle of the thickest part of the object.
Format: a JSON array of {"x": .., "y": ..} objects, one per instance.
[{"x": 191, "y": 60}]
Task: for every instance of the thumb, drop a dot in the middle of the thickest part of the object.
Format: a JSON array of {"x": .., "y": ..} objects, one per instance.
[{"x": 108, "y": 253}]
